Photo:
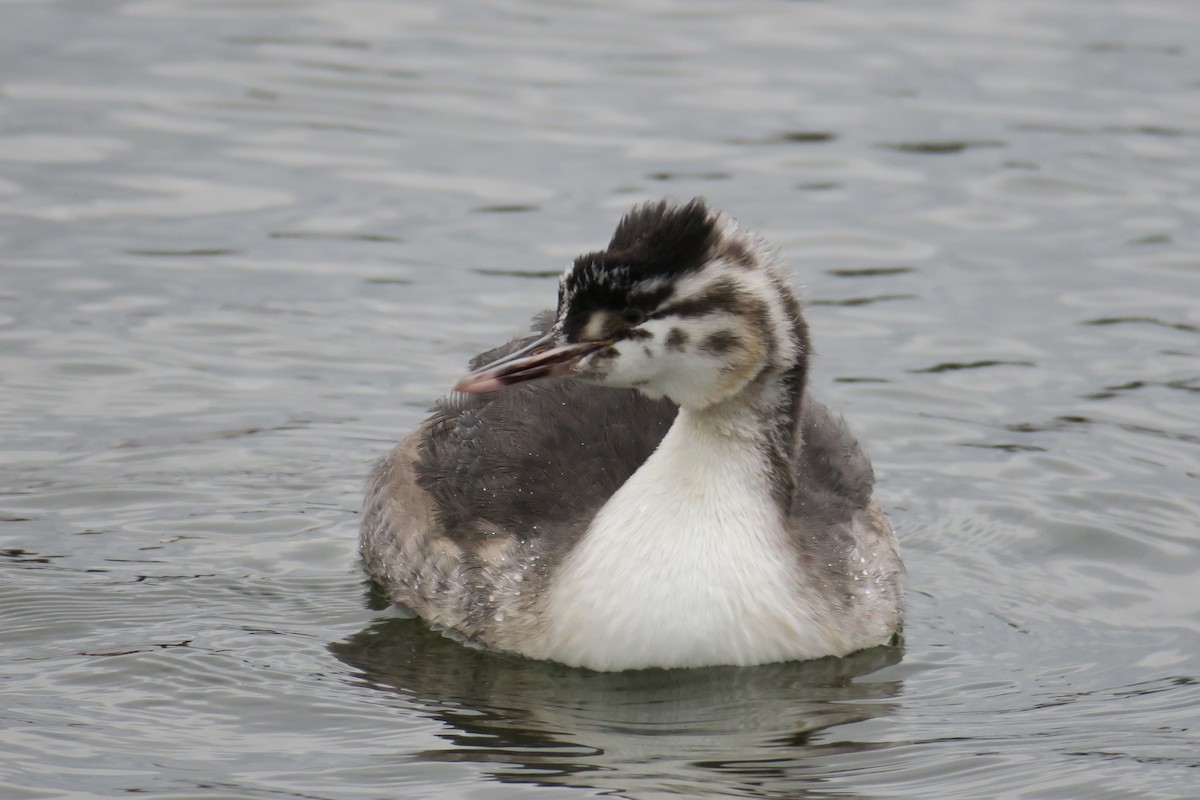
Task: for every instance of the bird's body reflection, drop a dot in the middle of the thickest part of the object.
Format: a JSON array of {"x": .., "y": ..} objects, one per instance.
[{"x": 697, "y": 733}]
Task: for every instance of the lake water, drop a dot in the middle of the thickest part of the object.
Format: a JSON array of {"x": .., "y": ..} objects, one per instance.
[{"x": 243, "y": 246}]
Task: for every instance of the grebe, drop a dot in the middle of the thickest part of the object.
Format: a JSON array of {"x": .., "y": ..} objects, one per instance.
[{"x": 673, "y": 497}]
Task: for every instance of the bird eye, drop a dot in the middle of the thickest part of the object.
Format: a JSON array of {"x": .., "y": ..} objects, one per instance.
[{"x": 633, "y": 316}]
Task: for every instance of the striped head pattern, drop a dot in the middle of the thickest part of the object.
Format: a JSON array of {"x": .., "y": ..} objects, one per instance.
[{"x": 694, "y": 308}]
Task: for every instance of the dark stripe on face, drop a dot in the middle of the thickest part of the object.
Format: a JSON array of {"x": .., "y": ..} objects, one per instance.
[
  {"x": 647, "y": 300},
  {"x": 677, "y": 339},
  {"x": 720, "y": 343},
  {"x": 721, "y": 296},
  {"x": 724, "y": 296}
]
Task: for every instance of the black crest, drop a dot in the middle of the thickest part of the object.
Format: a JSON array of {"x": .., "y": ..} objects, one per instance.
[{"x": 654, "y": 240}]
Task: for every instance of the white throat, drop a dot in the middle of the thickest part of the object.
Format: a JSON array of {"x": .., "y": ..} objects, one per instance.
[{"x": 688, "y": 564}]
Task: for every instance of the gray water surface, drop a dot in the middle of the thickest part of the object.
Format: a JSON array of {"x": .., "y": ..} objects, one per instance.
[{"x": 243, "y": 246}]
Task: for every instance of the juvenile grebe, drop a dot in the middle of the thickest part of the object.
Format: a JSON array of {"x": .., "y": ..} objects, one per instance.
[{"x": 676, "y": 500}]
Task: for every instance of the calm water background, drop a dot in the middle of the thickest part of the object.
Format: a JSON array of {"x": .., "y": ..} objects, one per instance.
[{"x": 244, "y": 245}]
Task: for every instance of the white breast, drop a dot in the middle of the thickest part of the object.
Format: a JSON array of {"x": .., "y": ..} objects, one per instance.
[{"x": 687, "y": 565}]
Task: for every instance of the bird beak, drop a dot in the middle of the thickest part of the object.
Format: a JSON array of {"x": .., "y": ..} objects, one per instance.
[{"x": 542, "y": 358}]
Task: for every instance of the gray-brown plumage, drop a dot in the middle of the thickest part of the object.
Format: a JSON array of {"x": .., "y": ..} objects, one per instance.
[{"x": 488, "y": 520}]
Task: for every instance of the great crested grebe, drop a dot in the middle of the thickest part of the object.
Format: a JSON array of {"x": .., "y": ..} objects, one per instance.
[{"x": 672, "y": 498}]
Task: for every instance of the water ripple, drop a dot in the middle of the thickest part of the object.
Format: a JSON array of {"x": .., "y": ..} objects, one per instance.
[{"x": 245, "y": 246}]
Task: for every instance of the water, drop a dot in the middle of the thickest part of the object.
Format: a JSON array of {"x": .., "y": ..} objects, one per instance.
[{"x": 243, "y": 246}]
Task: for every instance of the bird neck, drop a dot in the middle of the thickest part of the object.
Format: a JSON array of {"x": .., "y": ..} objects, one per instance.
[
  {"x": 762, "y": 417},
  {"x": 691, "y": 559}
]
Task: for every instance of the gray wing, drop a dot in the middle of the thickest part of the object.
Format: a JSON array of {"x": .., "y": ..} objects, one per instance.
[
  {"x": 841, "y": 534},
  {"x": 834, "y": 477},
  {"x": 487, "y": 477},
  {"x": 538, "y": 458},
  {"x": 551, "y": 453}
]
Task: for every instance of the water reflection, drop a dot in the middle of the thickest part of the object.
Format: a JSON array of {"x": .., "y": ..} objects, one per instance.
[{"x": 742, "y": 732}]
